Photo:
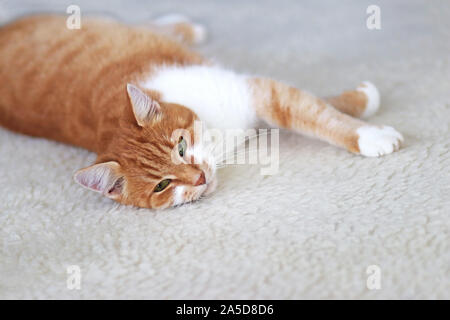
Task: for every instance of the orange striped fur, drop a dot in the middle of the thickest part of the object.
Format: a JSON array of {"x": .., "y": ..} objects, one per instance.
[
  {"x": 70, "y": 86},
  {"x": 81, "y": 87}
]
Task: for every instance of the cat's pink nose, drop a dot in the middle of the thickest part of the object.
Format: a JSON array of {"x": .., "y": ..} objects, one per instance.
[{"x": 201, "y": 180}]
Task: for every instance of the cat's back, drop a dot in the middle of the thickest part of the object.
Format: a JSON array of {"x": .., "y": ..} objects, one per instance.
[
  {"x": 39, "y": 46},
  {"x": 48, "y": 70}
]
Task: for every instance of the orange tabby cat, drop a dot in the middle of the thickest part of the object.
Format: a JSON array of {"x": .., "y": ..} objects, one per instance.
[{"x": 123, "y": 91}]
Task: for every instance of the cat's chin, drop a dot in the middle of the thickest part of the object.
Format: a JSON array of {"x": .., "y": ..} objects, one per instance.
[{"x": 210, "y": 187}]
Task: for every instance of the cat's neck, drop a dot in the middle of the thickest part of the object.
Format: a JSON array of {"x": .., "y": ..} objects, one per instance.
[{"x": 218, "y": 96}]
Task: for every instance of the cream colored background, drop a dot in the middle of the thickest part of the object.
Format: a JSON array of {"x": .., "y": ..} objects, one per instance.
[{"x": 308, "y": 232}]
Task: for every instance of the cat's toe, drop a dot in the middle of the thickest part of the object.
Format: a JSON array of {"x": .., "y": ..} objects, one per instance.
[
  {"x": 377, "y": 141},
  {"x": 197, "y": 30},
  {"x": 171, "y": 18},
  {"x": 199, "y": 33},
  {"x": 372, "y": 96}
]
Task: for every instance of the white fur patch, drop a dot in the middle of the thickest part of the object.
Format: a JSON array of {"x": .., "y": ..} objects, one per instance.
[
  {"x": 178, "y": 195},
  {"x": 196, "y": 152},
  {"x": 373, "y": 98},
  {"x": 219, "y": 97},
  {"x": 374, "y": 141}
]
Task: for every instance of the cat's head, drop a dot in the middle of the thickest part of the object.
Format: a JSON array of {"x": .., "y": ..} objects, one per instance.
[{"x": 154, "y": 162}]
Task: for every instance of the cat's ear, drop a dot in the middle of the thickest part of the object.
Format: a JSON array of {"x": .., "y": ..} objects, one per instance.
[
  {"x": 145, "y": 109},
  {"x": 104, "y": 178}
]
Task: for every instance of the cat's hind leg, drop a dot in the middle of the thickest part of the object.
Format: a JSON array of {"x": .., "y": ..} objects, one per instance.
[
  {"x": 291, "y": 108},
  {"x": 180, "y": 28},
  {"x": 362, "y": 102}
]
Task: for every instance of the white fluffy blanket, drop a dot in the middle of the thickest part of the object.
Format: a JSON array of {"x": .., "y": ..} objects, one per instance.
[{"x": 310, "y": 231}]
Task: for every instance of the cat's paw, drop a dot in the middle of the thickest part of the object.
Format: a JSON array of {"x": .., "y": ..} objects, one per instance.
[
  {"x": 372, "y": 96},
  {"x": 198, "y": 31},
  {"x": 377, "y": 141}
]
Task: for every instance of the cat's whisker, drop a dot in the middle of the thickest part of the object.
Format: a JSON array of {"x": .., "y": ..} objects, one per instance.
[
  {"x": 137, "y": 170},
  {"x": 235, "y": 154}
]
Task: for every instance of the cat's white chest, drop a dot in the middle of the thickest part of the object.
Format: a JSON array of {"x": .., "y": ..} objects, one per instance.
[{"x": 219, "y": 97}]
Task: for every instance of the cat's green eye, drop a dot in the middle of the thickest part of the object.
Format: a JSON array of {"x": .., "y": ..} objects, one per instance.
[
  {"x": 162, "y": 185},
  {"x": 182, "y": 145}
]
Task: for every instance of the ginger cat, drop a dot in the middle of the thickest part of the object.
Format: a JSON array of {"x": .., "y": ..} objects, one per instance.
[{"x": 123, "y": 91}]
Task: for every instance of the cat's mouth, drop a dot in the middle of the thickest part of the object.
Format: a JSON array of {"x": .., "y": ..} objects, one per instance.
[
  {"x": 201, "y": 191},
  {"x": 210, "y": 187}
]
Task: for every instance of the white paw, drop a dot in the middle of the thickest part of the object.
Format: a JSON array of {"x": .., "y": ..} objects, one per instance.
[
  {"x": 170, "y": 19},
  {"x": 373, "y": 98},
  {"x": 199, "y": 33},
  {"x": 377, "y": 141}
]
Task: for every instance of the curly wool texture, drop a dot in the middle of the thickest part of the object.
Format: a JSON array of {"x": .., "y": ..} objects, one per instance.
[{"x": 309, "y": 231}]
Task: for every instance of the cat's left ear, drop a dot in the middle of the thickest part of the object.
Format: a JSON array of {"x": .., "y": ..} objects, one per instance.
[
  {"x": 104, "y": 178},
  {"x": 145, "y": 109}
]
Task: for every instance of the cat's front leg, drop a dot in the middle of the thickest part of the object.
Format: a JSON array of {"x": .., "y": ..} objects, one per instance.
[{"x": 291, "y": 108}]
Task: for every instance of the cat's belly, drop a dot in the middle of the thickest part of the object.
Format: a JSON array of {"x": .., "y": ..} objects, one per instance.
[{"x": 220, "y": 98}]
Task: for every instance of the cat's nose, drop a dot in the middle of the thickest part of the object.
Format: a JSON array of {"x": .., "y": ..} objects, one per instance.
[{"x": 201, "y": 180}]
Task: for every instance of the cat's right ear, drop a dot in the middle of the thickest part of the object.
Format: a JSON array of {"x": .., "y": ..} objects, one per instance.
[
  {"x": 145, "y": 109},
  {"x": 104, "y": 178}
]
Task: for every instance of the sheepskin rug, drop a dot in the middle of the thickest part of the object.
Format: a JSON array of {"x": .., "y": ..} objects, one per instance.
[{"x": 310, "y": 231}]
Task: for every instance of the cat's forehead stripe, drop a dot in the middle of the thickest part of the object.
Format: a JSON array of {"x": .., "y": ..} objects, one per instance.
[
  {"x": 151, "y": 172},
  {"x": 160, "y": 147}
]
